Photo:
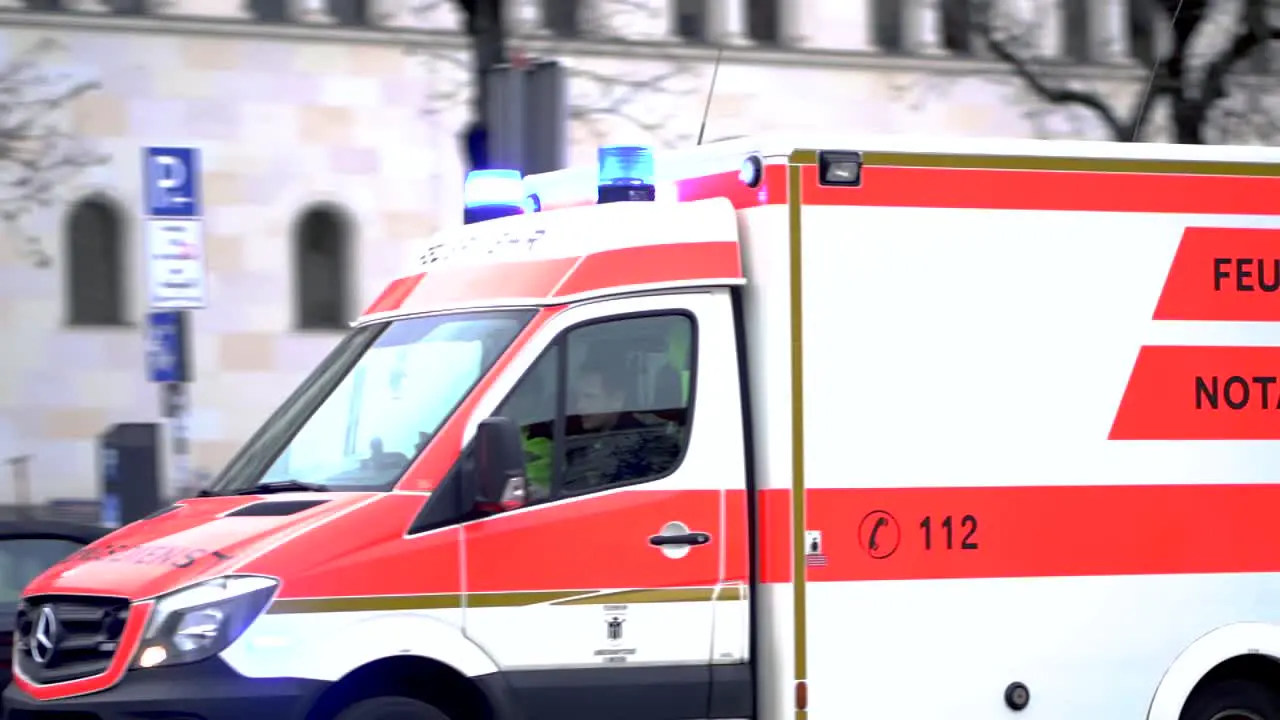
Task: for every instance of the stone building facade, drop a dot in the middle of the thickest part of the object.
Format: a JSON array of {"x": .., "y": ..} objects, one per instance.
[{"x": 329, "y": 136}]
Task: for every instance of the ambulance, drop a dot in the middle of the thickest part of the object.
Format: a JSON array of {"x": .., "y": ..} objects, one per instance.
[{"x": 768, "y": 429}]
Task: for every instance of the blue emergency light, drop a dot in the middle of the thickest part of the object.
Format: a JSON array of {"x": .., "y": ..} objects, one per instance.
[
  {"x": 626, "y": 174},
  {"x": 490, "y": 194}
]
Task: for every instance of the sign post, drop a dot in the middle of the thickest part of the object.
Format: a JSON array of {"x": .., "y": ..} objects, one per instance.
[{"x": 173, "y": 238}]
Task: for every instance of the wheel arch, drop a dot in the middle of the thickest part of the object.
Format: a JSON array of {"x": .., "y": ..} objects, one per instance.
[
  {"x": 1226, "y": 651},
  {"x": 421, "y": 678}
]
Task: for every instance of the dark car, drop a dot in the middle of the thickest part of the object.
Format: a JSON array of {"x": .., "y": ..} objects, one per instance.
[{"x": 28, "y": 548}]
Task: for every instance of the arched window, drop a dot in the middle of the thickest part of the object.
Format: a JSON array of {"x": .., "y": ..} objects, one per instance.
[
  {"x": 563, "y": 18},
  {"x": 349, "y": 12},
  {"x": 268, "y": 10},
  {"x": 691, "y": 20},
  {"x": 94, "y": 255},
  {"x": 321, "y": 239}
]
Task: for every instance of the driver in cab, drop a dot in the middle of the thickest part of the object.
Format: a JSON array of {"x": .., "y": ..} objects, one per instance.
[{"x": 608, "y": 444}]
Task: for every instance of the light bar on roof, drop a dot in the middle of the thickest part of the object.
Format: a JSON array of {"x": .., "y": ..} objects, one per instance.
[
  {"x": 489, "y": 194},
  {"x": 625, "y": 173},
  {"x": 579, "y": 185},
  {"x": 493, "y": 187}
]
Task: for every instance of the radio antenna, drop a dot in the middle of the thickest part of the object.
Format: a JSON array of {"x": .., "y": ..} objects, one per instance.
[{"x": 711, "y": 92}]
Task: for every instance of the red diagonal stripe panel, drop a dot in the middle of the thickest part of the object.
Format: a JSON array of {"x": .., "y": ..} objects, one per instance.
[
  {"x": 394, "y": 295},
  {"x": 653, "y": 264},
  {"x": 475, "y": 285},
  {"x": 1201, "y": 393},
  {"x": 1224, "y": 274}
]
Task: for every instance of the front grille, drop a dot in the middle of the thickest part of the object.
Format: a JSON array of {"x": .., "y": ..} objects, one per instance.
[{"x": 82, "y": 635}]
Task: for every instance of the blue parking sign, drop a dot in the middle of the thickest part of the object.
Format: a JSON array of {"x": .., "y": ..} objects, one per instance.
[
  {"x": 171, "y": 182},
  {"x": 166, "y": 347}
]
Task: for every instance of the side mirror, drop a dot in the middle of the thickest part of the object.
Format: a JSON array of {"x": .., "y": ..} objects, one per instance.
[{"x": 498, "y": 469}]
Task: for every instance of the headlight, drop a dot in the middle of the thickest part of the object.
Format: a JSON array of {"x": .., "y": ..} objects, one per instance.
[{"x": 202, "y": 620}]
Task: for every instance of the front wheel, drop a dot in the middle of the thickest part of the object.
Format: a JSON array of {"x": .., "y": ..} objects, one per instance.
[
  {"x": 1233, "y": 700},
  {"x": 393, "y": 708}
]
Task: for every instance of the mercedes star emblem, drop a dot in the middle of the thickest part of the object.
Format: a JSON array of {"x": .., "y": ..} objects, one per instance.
[{"x": 45, "y": 636}]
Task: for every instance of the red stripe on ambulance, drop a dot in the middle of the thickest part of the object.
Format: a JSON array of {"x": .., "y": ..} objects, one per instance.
[
  {"x": 1224, "y": 274},
  {"x": 652, "y": 265},
  {"x": 771, "y": 191},
  {"x": 463, "y": 286},
  {"x": 1045, "y": 531},
  {"x": 608, "y": 270},
  {"x": 1006, "y": 532}
]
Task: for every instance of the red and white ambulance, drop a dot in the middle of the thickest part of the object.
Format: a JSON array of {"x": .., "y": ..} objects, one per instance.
[{"x": 838, "y": 428}]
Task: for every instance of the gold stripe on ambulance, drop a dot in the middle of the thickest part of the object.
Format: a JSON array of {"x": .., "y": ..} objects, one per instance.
[
  {"x": 1053, "y": 164},
  {"x": 449, "y": 601},
  {"x": 628, "y": 597},
  {"x": 794, "y": 207}
]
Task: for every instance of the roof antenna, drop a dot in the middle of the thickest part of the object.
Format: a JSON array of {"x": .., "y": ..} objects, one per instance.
[{"x": 711, "y": 92}]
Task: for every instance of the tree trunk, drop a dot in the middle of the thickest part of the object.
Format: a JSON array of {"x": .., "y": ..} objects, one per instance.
[{"x": 1188, "y": 122}]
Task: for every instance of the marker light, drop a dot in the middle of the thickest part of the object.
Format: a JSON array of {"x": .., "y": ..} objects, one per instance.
[
  {"x": 489, "y": 194},
  {"x": 626, "y": 174},
  {"x": 840, "y": 167},
  {"x": 752, "y": 171}
]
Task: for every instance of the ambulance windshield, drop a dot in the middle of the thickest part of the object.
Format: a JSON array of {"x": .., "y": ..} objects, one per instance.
[{"x": 368, "y": 410}]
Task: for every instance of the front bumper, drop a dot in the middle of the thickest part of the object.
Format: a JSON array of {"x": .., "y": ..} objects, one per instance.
[{"x": 207, "y": 690}]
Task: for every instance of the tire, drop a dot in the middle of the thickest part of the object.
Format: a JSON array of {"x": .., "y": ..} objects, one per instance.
[
  {"x": 392, "y": 708},
  {"x": 1233, "y": 700}
]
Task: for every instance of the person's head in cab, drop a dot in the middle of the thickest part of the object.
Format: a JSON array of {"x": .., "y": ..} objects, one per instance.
[{"x": 599, "y": 397}]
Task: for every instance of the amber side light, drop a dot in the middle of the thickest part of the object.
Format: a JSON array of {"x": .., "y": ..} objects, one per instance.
[{"x": 802, "y": 695}]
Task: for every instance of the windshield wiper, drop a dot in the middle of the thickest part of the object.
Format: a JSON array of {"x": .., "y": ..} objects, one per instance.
[{"x": 279, "y": 486}]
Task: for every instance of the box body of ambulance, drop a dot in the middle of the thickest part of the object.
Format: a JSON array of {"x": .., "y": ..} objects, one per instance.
[{"x": 928, "y": 430}]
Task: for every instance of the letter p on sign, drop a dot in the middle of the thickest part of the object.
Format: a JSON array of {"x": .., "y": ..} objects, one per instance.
[{"x": 171, "y": 182}]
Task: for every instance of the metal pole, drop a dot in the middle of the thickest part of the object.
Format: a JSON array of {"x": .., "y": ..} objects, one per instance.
[
  {"x": 546, "y": 140},
  {"x": 19, "y": 470},
  {"x": 505, "y": 117},
  {"x": 179, "y": 440},
  {"x": 177, "y": 407}
]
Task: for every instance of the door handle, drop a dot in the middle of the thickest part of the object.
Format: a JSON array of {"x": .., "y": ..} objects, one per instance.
[{"x": 692, "y": 538}]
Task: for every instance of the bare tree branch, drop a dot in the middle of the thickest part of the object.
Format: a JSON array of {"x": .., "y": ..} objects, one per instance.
[
  {"x": 1254, "y": 33},
  {"x": 38, "y": 155},
  {"x": 641, "y": 94},
  {"x": 631, "y": 99},
  {"x": 450, "y": 78},
  {"x": 1121, "y": 129},
  {"x": 1194, "y": 86},
  {"x": 1009, "y": 39}
]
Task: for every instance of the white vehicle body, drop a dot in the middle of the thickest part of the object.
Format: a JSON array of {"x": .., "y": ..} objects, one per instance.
[{"x": 991, "y": 431}]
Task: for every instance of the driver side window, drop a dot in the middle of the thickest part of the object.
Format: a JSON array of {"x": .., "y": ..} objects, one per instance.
[
  {"x": 607, "y": 404},
  {"x": 532, "y": 406}
]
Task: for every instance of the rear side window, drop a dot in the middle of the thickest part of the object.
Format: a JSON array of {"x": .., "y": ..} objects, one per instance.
[
  {"x": 22, "y": 559},
  {"x": 608, "y": 404}
]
